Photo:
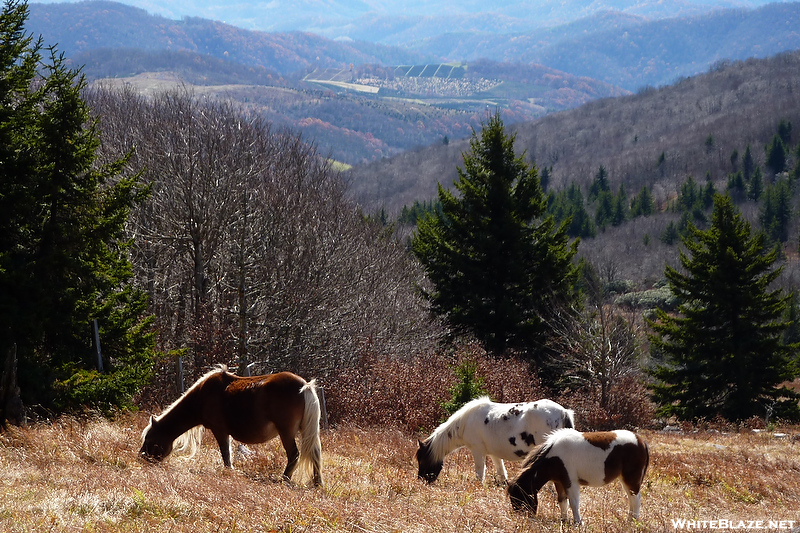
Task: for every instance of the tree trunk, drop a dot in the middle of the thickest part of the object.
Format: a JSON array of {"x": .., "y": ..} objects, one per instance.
[{"x": 11, "y": 410}]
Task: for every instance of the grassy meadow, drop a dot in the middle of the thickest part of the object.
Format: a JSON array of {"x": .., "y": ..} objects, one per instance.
[{"x": 84, "y": 476}]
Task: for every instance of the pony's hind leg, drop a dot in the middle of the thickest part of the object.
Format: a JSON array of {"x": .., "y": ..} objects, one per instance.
[
  {"x": 224, "y": 442},
  {"x": 634, "y": 500},
  {"x": 292, "y": 455}
]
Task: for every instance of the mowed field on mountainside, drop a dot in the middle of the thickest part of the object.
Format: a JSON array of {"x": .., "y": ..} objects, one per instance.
[{"x": 72, "y": 475}]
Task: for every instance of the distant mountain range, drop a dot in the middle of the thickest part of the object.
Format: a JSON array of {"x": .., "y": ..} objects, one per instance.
[
  {"x": 397, "y": 22},
  {"x": 627, "y": 44}
]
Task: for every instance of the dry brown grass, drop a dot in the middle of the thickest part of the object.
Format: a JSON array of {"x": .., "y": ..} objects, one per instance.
[{"x": 84, "y": 476}]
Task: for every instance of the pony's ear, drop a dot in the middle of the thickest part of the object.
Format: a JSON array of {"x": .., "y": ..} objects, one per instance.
[{"x": 421, "y": 444}]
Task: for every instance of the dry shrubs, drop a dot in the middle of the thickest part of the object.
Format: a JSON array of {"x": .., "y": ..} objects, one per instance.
[
  {"x": 628, "y": 406},
  {"x": 409, "y": 392}
]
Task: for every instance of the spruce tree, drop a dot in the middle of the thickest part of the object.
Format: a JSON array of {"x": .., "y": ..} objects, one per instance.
[
  {"x": 63, "y": 248},
  {"x": 498, "y": 265},
  {"x": 643, "y": 204},
  {"x": 723, "y": 353},
  {"x": 776, "y": 211},
  {"x": 748, "y": 164},
  {"x": 619, "y": 209},
  {"x": 568, "y": 205},
  {"x": 776, "y": 154}
]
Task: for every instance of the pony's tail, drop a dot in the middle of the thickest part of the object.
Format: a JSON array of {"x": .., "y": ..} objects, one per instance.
[
  {"x": 569, "y": 418},
  {"x": 310, "y": 462},
  {"x": 188, "y": 443}
]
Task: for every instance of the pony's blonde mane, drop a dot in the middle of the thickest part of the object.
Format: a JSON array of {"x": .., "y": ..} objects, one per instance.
[
  {"x": 217, "y": 369},
  {"x": 187, "y": 444},
  {"x": 441, "y": 439}
]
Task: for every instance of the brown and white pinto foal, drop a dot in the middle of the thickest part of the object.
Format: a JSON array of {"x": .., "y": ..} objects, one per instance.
[{"x": 570, "y": 459}]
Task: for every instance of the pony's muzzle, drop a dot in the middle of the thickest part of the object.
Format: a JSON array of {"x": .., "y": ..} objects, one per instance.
[{"x": 521, "y": 500}]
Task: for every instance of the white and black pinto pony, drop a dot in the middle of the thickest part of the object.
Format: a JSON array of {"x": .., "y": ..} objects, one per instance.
[
  {"x": 502, "y": 431},
  {"x": 249, "y": 409},
  {"x": 570, "y": 459}
]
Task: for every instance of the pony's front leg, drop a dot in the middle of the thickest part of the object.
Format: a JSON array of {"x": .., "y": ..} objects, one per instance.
[
  {"x": 635, "y": 503},
  {"x": 501, "y": 476},
  {"x": 480, "y": 465},
  {"x": 574, "y": 496},
  {"x": 562, "y": 498}
]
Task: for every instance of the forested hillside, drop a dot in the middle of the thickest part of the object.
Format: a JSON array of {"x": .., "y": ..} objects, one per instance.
[{"x": 656, "y": 139}]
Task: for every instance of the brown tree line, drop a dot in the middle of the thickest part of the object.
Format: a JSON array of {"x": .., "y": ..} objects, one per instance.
[{"x": 248, "y": 247}]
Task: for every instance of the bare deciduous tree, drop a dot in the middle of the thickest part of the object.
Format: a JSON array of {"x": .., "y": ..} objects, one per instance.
[{"x": 249, "y": 247}]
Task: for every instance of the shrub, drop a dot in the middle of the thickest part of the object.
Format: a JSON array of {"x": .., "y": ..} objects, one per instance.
[
  {"x": 410, "y": 393},
  {"x": 468, "y": 386},
  {"x": 629, "y": 406}
]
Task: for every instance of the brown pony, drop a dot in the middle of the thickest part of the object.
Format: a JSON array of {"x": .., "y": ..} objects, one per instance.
[{"x": 248, "y": 409}]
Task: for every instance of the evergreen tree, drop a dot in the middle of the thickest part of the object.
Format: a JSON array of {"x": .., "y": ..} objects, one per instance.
[
  {"x": 785, "y": 132},
  {"x": 708, "y": 194},
  {"x": 689, "y": 196},
  {"x": 469, "y": 385},
  {"x": 568, "y": 206},
  {"x": 776, "y": 155},
  {"x": 604, "y": 213},
  {"x": 756, "y": 187},
  {"x": 599, "y": 184},
  {"x": 748, "y": 164},
  {"x": 544, "y": 179},
  {"x": 737, "y": 188},
  {"x": 723, "y": 354},
  {"x": 497, "y": 264},
  {"x": 671, "y": 234},
  {"x": 776, "y": 211},
  {"x": 619, "y": 208},
  {"x": 643, "y": 204},
  {"x": 63, "y": 250},
  {"x": 735, "y": 160}
]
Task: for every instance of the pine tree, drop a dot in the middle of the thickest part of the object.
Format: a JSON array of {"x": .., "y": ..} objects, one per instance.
[
  {"x": 568, "y": 206},
  {"x": 604, "y": 213},
  {"x": 643, "y": 204},
  {"x": 599, "y": 184},
  {"x": 785, "y": 131},
  {"x": 63, "y": 249},
  {"x": 497, "y": 264},
  {"x": 748, "y": 164},
  {"x": 723, "y": 354},
  {"x": 619, "y": 208},
  {"x": 737, "y": 189},
  {"x": 756, "y": 188},
  {"x": 776, "y": 154},
  {"x": 776, "y": 211}
]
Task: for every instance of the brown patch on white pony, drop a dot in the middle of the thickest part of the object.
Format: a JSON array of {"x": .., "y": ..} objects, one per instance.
[
  {"x": 601, "y": 439},
  {"x": 630, "y": 462}
]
